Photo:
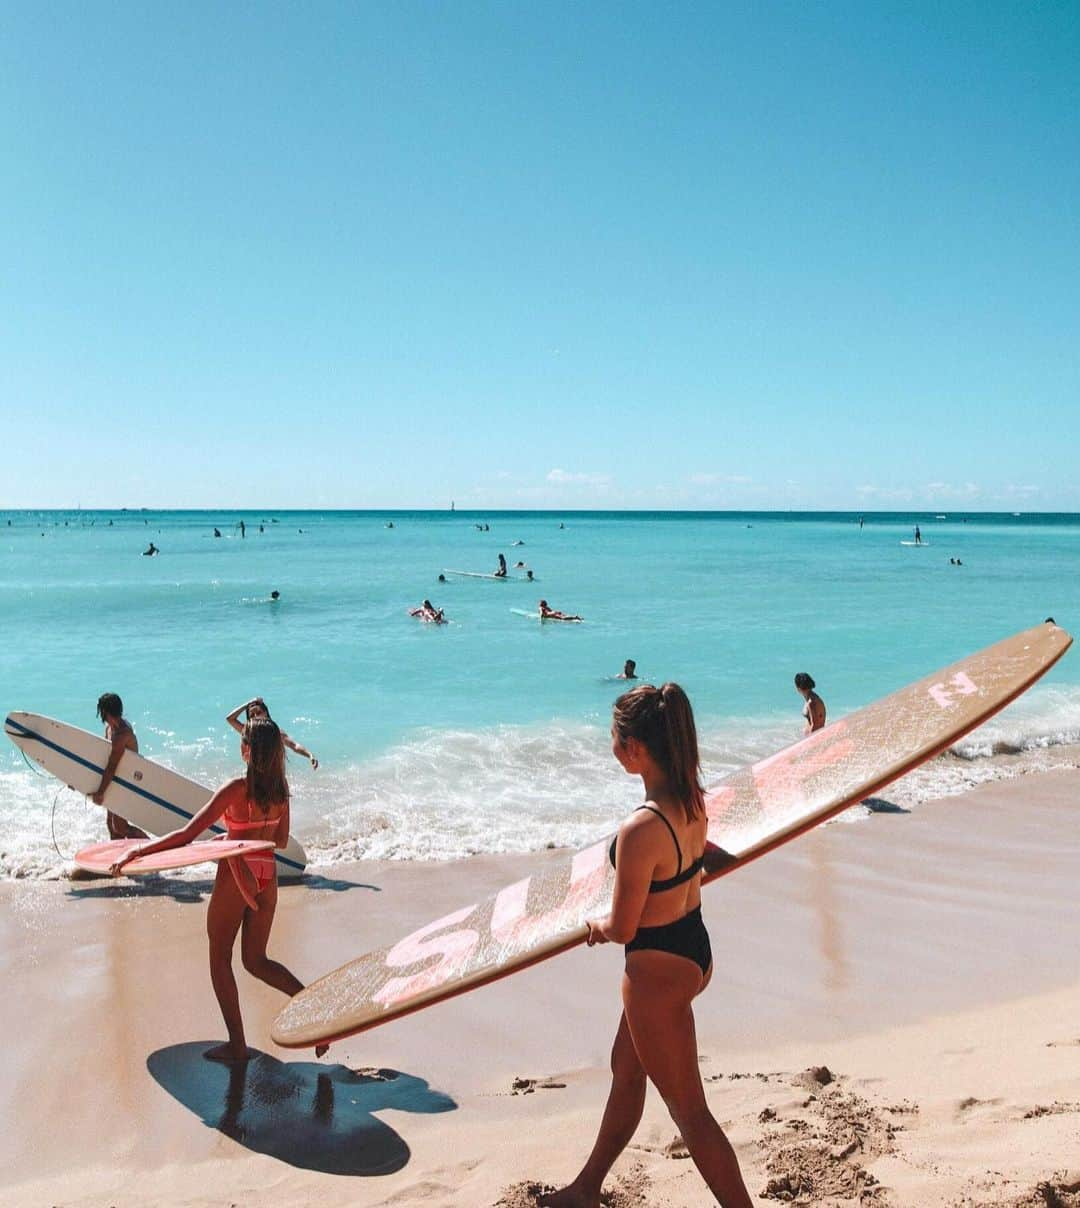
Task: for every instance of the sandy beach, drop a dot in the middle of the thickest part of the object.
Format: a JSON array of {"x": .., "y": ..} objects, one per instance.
[{"x": 894, "y": 1019}]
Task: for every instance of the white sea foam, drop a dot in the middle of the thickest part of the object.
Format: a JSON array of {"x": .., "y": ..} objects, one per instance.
[{"x": 449, "y": 793}]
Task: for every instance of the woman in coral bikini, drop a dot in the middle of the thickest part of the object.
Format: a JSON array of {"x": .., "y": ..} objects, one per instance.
[
  {"x": 253, "y": 806},
  {"x": 658, "y": 855}
]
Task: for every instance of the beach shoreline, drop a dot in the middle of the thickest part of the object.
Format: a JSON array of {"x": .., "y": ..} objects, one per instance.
[{"x": 926, "y": 958}]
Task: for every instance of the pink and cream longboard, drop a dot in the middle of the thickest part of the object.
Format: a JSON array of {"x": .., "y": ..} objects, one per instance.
[
  {"x": 750, "y": 812},
  {"x": 100, "y": 857}
]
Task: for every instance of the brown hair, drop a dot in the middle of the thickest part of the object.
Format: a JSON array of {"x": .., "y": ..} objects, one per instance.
[
  {"x": 661, "y": 719},
  {"x": 266, "y": 784}
]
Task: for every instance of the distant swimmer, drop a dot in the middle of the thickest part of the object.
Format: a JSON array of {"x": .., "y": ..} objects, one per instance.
[
  {"x": 217, "y": 532},
  {"x": 428, "y": 612},
  {"x": 860, "y": 522},
  {"x": 553, "y": 614},
  {"x": 501, "y": 572},
  {"x": 253, "y": 710},
  {"x": 275, "y": 596},
  {"x": 528, "y": 576},
  {"x": 519, "y": 566},
  {"x": 517, "y": 542},
  {"x": 918, "y": 536},
  {"x": 389, "y": 524},
  {"x": 121, "y": 736},
  {"x": 629, "y": 670},
  {"x": 814, "y": 709},
  {"x": 442, "y": 578},
  {"x": 151, "y": 550}
]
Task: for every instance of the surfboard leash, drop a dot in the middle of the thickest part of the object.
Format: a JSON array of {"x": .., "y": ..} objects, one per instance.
[{"x": 52, "y": 812}]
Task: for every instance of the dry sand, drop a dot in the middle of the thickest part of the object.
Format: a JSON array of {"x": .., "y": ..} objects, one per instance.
[{"x": 894, "y": 1019}]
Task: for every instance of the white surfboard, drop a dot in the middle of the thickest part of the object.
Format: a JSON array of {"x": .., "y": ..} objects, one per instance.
[
  {"x": 917, "y": 544},
  {"x": 149, "y": 796}
]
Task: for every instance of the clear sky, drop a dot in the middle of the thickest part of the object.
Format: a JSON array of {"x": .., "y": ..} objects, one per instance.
[{"x": 744, "y": 254}]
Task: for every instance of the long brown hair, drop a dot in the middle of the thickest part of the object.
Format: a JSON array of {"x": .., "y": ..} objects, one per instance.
[
  {"x": 661, "y": 719},
  {"x": 266, "y": 784}
]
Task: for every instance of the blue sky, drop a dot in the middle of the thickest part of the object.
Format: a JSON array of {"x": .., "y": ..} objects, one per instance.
[{"x": 546, "y": 255}]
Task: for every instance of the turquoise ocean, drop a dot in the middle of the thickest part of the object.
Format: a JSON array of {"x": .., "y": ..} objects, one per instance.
[{"x": 491, "y": 733}]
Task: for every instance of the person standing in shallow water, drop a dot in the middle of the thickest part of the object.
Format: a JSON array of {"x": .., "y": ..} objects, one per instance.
[
  {"x": 814, "y": 708},
  {"x": 656, "y": 911},
  {"x": 253, "y": 806}
]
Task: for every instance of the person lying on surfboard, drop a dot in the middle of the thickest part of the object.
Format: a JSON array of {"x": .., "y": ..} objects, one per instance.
[
  {"x": 253, "y": 806},
  {"x": 553, "y": 614},
  {"x": 658, "y": 856},
  {"x": 256, "y": 707},
  {"x": 428, "y": 612}
]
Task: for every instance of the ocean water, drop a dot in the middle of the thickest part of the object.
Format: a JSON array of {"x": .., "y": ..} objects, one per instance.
[{"x": 491, "y": 733}]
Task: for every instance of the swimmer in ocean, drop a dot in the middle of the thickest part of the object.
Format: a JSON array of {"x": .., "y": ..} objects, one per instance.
[{"x": 629, "y": 670}]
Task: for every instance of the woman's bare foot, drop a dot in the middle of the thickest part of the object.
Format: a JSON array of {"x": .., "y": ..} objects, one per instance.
[
  {"x": 227, "y": 1055},
  {"x": 568, "y": 1197},
  {"x": 320, "y": 1049}
]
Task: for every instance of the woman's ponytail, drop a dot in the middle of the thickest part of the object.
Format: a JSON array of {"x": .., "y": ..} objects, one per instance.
[{"x": 662, "y": 719}]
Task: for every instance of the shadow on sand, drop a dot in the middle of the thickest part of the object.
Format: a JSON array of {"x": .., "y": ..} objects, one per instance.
[
  {"x": 183, "y": 890},
  {"x": 315, "y": 1117},
  {"x": 878, "y": 805}
]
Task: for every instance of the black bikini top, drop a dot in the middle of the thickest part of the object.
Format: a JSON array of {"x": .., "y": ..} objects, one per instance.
[{"x": 683, "y": 875}]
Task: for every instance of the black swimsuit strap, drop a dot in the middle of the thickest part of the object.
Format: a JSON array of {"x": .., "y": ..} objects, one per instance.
[{"x": 674, "y": 838}]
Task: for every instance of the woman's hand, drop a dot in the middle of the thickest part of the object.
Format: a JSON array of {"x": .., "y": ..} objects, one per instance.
[
  {"x": 126, "y": 858},
  {"x": 596, "y": 932},
  {"x": 314, "y": 762}
]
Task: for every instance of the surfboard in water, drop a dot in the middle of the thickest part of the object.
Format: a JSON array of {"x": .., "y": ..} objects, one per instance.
[
  {"x": 100, "y": 857},
  {"x": 154, "y": 798},
  {"x": 750, "y": 812}
]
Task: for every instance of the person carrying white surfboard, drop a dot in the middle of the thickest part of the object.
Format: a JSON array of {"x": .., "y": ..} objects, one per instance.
[
  {"x": 252, "y": 806},
  {"x": 255, "y": 708},
  {"x": 658, "y": 855},
  {"x": 120, "y": 733}
]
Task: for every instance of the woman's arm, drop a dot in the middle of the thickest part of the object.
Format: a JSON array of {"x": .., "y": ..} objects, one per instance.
[
  {"x": 234, "y": 717},
  {"x": 634, "y": 866},
  {"x": 206, "y": 817},
  {"x": 295, "y": 746},
  {"x": 281, "y": 835}
]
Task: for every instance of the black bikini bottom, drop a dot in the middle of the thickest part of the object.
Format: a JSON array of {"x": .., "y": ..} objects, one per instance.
[{"x": 685, "y": 937}]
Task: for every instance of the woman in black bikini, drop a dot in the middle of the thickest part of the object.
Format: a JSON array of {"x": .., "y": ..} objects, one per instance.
[{"x": 656, "y": 912}]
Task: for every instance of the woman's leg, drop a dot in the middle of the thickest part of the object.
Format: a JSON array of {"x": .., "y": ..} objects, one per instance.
[
  {"x": 657, "y": 993},
  {"x": 622, "y": 1114},
  {"x": 223, "y": 918},
  {"x": 253, "y": 944}
]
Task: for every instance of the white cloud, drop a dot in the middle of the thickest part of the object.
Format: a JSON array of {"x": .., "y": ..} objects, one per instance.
[{"x": 565, "y": 478}]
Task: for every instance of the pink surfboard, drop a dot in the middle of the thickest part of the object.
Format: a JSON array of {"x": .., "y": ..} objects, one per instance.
[
  {"x": 100, "y": 857},
  {"x": 750, "y": 812}
]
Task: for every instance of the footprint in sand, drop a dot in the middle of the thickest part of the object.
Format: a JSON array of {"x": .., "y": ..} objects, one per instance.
[
  {"x": 967, "y": 1108},
  {"x": 526, "y": 1086}
]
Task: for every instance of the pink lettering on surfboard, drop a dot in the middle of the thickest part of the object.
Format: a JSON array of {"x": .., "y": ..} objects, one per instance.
[
  {"x": 786, "y": 775},
  {"x": 453, "y": 948},
  {"x": 945, "y": 695},
  {"x": 511, "y": 925}
]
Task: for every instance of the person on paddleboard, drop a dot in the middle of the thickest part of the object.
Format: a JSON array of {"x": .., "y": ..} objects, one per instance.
[
  {"x": 501, "y": 572},
  {"x": 253, "y": 806},
  {"x": 120, "y": 734},
  {"x": 918, "y": 535},
  {"x": 553, "y": 614},
  {"x": 658, "y": 854},
  {"x": 814, "y": 708},
  {"x": 256, "y": 707}
]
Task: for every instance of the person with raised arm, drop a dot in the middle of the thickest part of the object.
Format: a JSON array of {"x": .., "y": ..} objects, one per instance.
[
  {"x": 658, "y": 854},
  {"x": 256, "y": 707},
  {"x": 253, "y": 806}
]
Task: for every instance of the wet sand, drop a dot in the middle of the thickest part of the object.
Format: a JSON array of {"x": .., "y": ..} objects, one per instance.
[{"x": 929, "y": 960}]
